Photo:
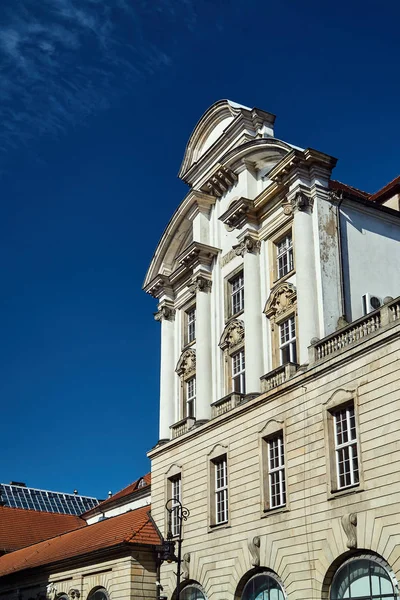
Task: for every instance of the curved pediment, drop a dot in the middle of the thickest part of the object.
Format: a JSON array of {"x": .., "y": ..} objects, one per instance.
[
  {"x": 233, "y": 335},
  {"x": 213, "y": 126},
  {"x": 281, "y": 300}
]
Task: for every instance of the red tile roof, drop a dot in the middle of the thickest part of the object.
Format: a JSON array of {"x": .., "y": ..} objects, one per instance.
[
  {"x": 129, "y": 489},
  {"x": 338, "y": 185},
  {"x": 390, "y": 189},
  {"x": 20, "y": 527},
  {"x": 133, "y": 527}
]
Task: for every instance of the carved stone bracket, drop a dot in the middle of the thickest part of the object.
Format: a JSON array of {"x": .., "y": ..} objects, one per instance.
[
  {"x": 349, "y": 524},
  {"x": 200, "y": 284},
  {"x": 51, "y": 591},
  {"x": 186, "y": 566},
  {"x": 300, "y": 202},
  {"x": 164, "y": 312},
  {"x": 220, "y": 182},
  {"x": 187, "y": 363},
  {"x": 254, "y": 549},
  {"x": 233, "y": 335},
  {"x": 248, "y": 244}
]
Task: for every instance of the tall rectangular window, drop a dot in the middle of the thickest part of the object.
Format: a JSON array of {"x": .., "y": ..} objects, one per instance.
[
  {"x": 191, "y": 325},
  {"x": 276, "y": 471},
  {"x": 346, "y": 447},
  {"x": 284, "y": 256},
  {"x": 191, "y": 397},
  {"x": 237, "y": 293},
  {"x": 221, "y": 490},
  {"x": 176, "y": 491},
  {"x": 287, "y": 341},
  {"x": 238, "y": 372}
]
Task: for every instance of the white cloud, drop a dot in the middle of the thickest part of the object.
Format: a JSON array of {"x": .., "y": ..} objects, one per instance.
[{"x": 64, "y": 60}]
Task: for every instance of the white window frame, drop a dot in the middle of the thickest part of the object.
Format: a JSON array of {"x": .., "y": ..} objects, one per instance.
[
  {"x": 191, "y": 324},
  {"x": 239, "y": 371},
  {"x": 349, "y": 447},
  {"x": 237, "y": 293},
  {"x": 191, "y": 397},
  {"x": 276, "y": 471},
  {"x": 176, "y": 494},
  {"x": 290, "y": 341},
  {"x": 221, "y": 490},
  {"x": 284, "y": 256}
]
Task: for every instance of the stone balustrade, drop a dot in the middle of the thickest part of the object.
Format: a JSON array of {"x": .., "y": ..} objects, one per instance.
[
  {"x": 182, "y": 427},
  {"x": 278, "y": 376},
  {"x": 349, "y": 335},
  {"x": 225, "y": 404}
]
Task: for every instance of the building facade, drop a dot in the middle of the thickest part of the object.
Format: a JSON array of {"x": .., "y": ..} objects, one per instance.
[{"x": 276, "y": 289}]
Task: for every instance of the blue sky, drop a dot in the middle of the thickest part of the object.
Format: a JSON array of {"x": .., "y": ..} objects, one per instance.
[{"x": 97, "y": 100}]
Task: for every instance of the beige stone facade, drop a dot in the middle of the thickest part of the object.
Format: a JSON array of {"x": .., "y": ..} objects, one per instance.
[{"x": 320, "y": 525}]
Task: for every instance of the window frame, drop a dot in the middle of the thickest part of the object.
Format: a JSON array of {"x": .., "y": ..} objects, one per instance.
[
  {"x": 240, "y": 375},
  {"x": 174, "y": 473},
  {"x": 190, "y": 400},
  {"x": 287, "y": 253},
  {"x": 218, "y": 455},
  {"x": 229, "y": 279},
  {"x": 221, "y": 490},
  {"x": 186, "y": 311},
  {"x": 291, "y": 343},
  {"x": 272, "y": 430},
  {"x": 339, "y": 400}
]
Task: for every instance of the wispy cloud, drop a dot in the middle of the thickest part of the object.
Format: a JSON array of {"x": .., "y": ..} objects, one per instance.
[{"x": 64, "y": 60}]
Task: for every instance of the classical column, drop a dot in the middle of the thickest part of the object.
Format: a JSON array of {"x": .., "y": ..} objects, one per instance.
[
  {"x": 202, "y": 287},
  {"x": 306, "y": 284},
  {"x": 249, "y": 248},
  {"x": 166, "y": 315}
]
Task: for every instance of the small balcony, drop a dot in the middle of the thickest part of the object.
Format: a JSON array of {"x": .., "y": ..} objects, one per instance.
[
  {"x": 182, "y": 427},
  {"x": 225, "y": 404},
  {"x": 275, "y": 378}
]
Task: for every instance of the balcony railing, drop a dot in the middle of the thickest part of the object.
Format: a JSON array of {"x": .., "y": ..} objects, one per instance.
[
  {"x": 278, "y": 376},
  {"x": 225, "y": 404},
  {"x": 383, "y": 317},
  {"x": 182, "y": 427}
]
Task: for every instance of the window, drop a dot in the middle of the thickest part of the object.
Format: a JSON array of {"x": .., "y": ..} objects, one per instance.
[
  {"x": 284, "y": 256},
  {"x": 191, "y": 325},
  {"x": 366, "y": 578},
  {"x": 263, "y": 586},
  {"x": 98, "y": 594},
  {"x": 238, "y": 372},
  {"x": 221, "y": 490},
  {"x": 176, "y": 494},
  {"x": 191, "y": 397},
  {"x": 287, "y": 341},
  {"x": 237, "y": 293},
  {"x": 192, "y": 592},
  {"x": 276, "y": 471},
  {"x": 346, "y": 447}
]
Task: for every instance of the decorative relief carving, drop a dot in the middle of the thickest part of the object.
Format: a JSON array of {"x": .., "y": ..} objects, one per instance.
[
  {"x": 187, "y": 363},
  {"x": 200, "y": 284},
  {"x": 254, "y": 548},
  {"x": 51, "y": 591},
  {"x": 300, "y": 202},
  {"x": 233, "y": 335},
  {"x": 281, "y": 300},
  {"x": 186, "y": 566},
  {"x": 220, "y": 182},
  {"x": 165, "y": 312},
  {"x": 248, "y": 244},
  {"x": 224, "y": 260},
  {"x": 349, "y": 524},
  {"x": 74, "y": 594}
]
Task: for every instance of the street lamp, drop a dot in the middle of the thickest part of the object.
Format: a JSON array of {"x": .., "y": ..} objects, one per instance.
[{"x": 167, "y": 553}]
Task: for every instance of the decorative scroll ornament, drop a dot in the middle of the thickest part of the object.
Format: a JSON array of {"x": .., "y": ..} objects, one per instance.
[
  {"x": 248, "y": 244},
  {"x": 254, "y": 548},
  {"x": 187, "y": 363},
  {"x": 281, "y": 300},
  {"x": 300, "y": 202},
  {"x": 164, "y": 312},
  {"x": 233, "y": 335},
  {"x": 51, "y": 591},
  {"x": 349, "y": 524},
  {"x": 74, "y": 594},
  {"x": 200, "y": 284},
  {"x": 186, "y": 566}
]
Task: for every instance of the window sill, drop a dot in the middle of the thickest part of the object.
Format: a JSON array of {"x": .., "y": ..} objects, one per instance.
[
  {"x": 284, "y": 277},
  {"x": 218, "y": 526},
  {"x": 235, "y": 316},
  {"x": 268, "y": 512},
  {"x": 188, "y": 345},
  {"x": 345, "y": 492}
]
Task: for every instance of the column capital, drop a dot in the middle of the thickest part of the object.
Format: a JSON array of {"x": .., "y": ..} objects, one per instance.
[
  {"x": 248, "y": 244},
  {"x": 299, "y": 202},
  {"x": 200, "y": 284},
  {"x": 164, "y": 311}
]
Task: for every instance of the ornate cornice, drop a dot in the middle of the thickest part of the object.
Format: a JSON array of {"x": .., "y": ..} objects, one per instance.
[
  {"x": 197, "y": 254},
  {"x": 220, "y": 181},
  {"x": 299, "y": 202},
  {"x": 159, "y": 286},
  {"x": 248, "y": 244},
  {"x": 200, "y": 284},
  {"x": 240, "y": 212},
  {"x": 164, "y": 311}
]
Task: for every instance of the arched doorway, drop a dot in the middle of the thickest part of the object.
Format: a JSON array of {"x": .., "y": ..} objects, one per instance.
[
  {"x": 263, "y": 586},
  {"x": 364, "y": 577},
  {"x": 192, "y": 591}
]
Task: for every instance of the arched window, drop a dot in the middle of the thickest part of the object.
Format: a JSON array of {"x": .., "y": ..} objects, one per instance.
[
  {"x": 263, "y": 586},
  {"x": 366, "y": 577},
  {"x": 192, "y": 591},
  {"x": 98, "y": 594}
]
